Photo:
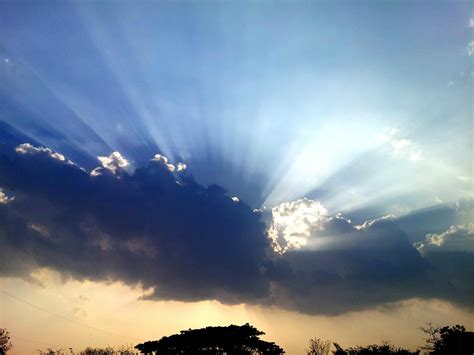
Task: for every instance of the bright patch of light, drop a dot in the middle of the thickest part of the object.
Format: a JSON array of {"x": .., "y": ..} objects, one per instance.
[
  {"x": 113, "y": 162},
  {"x": 27, "y": 148},
  {"x": 4, "y": 199},
  {"x": 369, "y": 223},
  {"x": 321, "y": 152},
  {"x": 164, "y": 160},
  {"x": 293, "y": 223},
  {"x": 456, "y": 238}
]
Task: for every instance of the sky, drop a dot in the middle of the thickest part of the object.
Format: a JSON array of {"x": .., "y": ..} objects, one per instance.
[{"x": 303, "y": 166}]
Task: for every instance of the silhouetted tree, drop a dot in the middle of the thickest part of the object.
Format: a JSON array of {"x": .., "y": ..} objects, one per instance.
[
  {"x": 384, "y": 349},
  {"x": 454, "y": 341},
  {"x": 432, "y": 338},
  {"x": 231, "y": 340},
  {"x": 318, "y": 347},
  {"x": 339, "y": 350},
  {"x": 51, "y": 351},
  {"x": 5, "y": 343},
  {"x": 121, "y": 350}
]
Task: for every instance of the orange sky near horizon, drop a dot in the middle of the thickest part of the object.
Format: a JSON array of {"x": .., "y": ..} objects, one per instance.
[{"x": 116, "y": 308}]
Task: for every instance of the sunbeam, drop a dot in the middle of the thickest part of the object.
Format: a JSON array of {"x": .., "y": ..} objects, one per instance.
[{"x": 175, "y": 164}]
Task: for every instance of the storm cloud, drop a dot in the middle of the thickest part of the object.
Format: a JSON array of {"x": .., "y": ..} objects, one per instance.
[{"x": 157, "y": 227}]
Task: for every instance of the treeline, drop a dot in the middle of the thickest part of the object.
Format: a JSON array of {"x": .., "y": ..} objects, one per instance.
[
  {"x": 245, "y": 340},
  {"x": 448, "y": 340}
]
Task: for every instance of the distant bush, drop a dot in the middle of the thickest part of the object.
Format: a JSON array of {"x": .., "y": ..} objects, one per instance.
[
  {"x": 318, "y": 347},
  {"x": 5, "y": 343},
  {"x": 384, "y": 349},
  {"x": 109, "y": 350}
]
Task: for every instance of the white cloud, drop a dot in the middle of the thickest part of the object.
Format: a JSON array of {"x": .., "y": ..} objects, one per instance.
[
  {"x": 27, "y": 148},
  {"x": 401, "y": 147},
  {"x": 4, "y": 199},
  {"x": 181, "y": 166},
  {"x": 294, "y": 222},
  {"x": 235, "y": 199},
  {"x": 42, "y": 230},
  {"x": 96, "y": 171},
  {"x": 470, "y": 48},
  {"x": 370, "y": 222},
  {"x": 456, "y": 238},
  {"x": 113, "y": 162},
  {"x": 164, "y": 160}
]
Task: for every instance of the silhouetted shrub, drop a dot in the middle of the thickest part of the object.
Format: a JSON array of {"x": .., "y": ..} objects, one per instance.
[
  {"x": 50, "y": 351},
  {"x": 231, "y": 340},
  {"x": 384, "y": 349},
  {"x": 318, "y": 347},
  {"x": 109, "y": 350},
  {"x": 5, "y": 343}
]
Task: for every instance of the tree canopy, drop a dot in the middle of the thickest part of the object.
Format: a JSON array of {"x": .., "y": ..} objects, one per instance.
[
  {"x": 231, "y": 340},
  {"x": 454, "y": 340}
]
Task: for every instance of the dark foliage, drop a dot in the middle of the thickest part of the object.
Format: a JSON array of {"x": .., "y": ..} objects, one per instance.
[
  {"x": 231, "y": 340},
  {"x": 5, "y": 343},
  {"x": 384, "y": 349},
  {"x": 454, "y": 341}
]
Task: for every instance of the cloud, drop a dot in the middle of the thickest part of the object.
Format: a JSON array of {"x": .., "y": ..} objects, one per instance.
[
  {"x": 292, "y": 223},
  {"x": 456, "y": 238},
  {"x": 343, "y": 267},
  {"x": 369, "y": 223},
  {"x": 42, "y": 230},
  {"x": 27, "y": 148},
  {"x": 401, "y": 147},
  {"x": 164, "y": 160},
  {"x": 451, "y": 255},
  {"x": 470, "y": 48},
  {"x": 4, "y": 199},
  {"x": 184, "y": 241},
  {"x": 113, "y": 162},
  {"x": 357, "y": 269}
]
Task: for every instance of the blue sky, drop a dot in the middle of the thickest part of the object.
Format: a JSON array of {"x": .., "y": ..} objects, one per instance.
[
  {"x": 268, "y": 99},
  {"x": 343, "y": 130}
]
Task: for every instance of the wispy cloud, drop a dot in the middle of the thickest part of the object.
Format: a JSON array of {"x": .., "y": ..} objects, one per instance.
[
  {"x": 401, "y": 147},
  {"x": 470, "y": 48}
]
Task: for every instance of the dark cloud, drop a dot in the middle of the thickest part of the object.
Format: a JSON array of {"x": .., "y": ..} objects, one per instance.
[
  {"x": 159, "y": 228},
  {"x": 451, "y": 254},
  {"x": 360, "y": 268},
  {"x": 151, "y": 227}
]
